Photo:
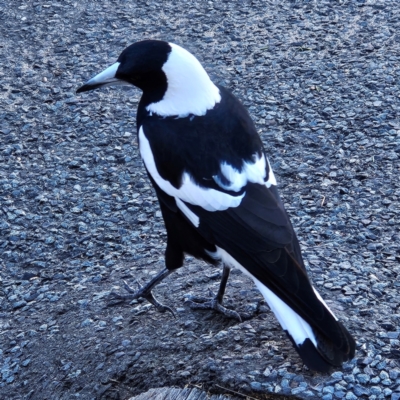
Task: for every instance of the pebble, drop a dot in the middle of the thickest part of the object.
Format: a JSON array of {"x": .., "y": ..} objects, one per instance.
[
  {"x": 361, "y": 390},
  {"x": 375, "y": 390},
  {"x": 87, "y": 322},
  {"x": 363, "y": 378},
  {"x": 256, "y": 386},
  {"x": 296, "y": 391},
  {"x": 350, "y": 396}
]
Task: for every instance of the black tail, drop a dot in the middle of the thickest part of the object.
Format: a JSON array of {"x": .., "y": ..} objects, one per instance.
[{"x": 317, "y": 351}]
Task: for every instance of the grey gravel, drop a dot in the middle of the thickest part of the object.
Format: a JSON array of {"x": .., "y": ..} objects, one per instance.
[{"x": 78, "y": 214}]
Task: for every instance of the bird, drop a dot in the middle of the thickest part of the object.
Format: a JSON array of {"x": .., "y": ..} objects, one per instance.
[{"x": 218, "y": 196}]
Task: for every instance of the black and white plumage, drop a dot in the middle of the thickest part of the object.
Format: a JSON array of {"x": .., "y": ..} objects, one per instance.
[{"x": 218, "y": 193}]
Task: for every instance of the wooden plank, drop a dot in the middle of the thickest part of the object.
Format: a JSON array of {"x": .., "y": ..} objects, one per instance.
[
  {"x": 173, "y": 393},
  {"x": 188, "y": 393}
]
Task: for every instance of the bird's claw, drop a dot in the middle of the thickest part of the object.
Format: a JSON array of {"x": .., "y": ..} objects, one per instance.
[
  {"x": 130, "y": 290},
  {"x": 136, "y": 294},
  {"x": 201, "y": 303},
  {"x": 159, "y": 306}
]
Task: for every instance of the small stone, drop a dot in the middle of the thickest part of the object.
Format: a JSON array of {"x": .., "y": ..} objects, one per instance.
[
  {"x": 339, "y": 387},
  {"x": 118, "y": 319},
  {"x": 26, "y": 362},
  {"x": 337, "y": 374},
  {"x": 256, "y": 386},
  {"x": 87, "y": 322},
  {"x": 136, "y": 356},
  {"x": 19, "y": 304},
  {"x": 285, "y": 383},
  {"x": 221, "y": 335},
  {"x": 375, "y": 390},
  {"x": 381, "y": 365},
  {"x": 102, "y": 324},
  {"x": 394, "y": 373},
  {"x": 350, "y": 396},
  {"x": 384, "y": 375},
  {"x": 360, "y": 390},
  {"x": 297, "y": 390},
  {"x": 363, "y": 378},
  {"x": 349, "y": 378},
  {"x": 15, "y": 349}
]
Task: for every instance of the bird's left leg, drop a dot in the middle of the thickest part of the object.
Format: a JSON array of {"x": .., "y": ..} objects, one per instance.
[
  {"x": 215, "y": 302},
  {"x": 144, "y": 292}
]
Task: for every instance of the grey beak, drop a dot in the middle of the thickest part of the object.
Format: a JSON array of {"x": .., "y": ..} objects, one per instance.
[{"x": 104, "y": 78}]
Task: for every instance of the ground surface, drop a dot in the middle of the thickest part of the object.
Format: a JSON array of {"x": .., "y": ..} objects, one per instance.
[{"x": 77, "y": 214}]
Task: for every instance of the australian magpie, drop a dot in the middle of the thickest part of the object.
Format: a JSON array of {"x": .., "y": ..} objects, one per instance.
[{"x": 218, "y": 194}]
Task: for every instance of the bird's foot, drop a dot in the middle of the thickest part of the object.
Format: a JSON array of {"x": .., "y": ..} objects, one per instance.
[
  {"x": 212, "y": 303},
  {"x": 143, "y": 292}
]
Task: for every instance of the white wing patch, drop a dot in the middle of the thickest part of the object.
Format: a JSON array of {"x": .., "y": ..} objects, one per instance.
[
  {"x": 290, "y": 321},
  {"x": 189, "y": 191},
  {"x": 254, "y": 172},
  {"x": 189, "y": 90},
  {"x": 235, "y": 178}
]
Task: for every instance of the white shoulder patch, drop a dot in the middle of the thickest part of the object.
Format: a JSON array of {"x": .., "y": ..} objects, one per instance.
[
  {"x": 189, "y": 191},
  {"x": 189, "y": 91}
]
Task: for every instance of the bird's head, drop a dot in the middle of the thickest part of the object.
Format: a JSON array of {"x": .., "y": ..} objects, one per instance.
[{"x": 172, "y": 79}]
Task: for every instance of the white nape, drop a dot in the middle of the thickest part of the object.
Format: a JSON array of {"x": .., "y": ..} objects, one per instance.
[
  {"x": 189, "y": 191},
  {"x": 290, "y": 321},
  {"x": 189, "y": 91}
]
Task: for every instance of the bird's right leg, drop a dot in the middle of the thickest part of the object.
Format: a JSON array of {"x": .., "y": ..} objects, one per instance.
[
  {"x": 144, "y": 292},
  {"x": 215, "y": 301}
]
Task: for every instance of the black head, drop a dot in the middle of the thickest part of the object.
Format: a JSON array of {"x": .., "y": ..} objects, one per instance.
[
  {"x": 173, "y": 81},
  {"x": 140, "y": 64}
]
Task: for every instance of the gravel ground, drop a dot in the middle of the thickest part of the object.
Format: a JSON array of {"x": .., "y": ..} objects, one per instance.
[{"x": 78, "y": 215}]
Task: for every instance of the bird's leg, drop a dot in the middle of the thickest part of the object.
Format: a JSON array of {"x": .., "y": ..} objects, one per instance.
[
  {"x": 215, "y": 302},
  {"x": 144, "y": 292}
]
